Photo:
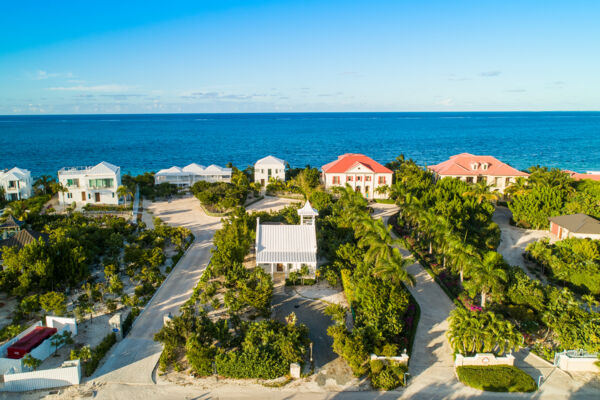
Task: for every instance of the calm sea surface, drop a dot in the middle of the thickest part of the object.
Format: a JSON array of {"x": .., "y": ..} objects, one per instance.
[{"x": 139, "y": 143}]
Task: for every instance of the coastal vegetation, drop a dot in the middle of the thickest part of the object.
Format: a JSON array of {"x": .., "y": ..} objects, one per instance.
[
  {"x": 298, "y": 182},
  {"x": 219, "y": 197},
  {"x": 225, "y": 322},
  {"x": 573, "y": 261},
  {"x": 147, "y": 188},
  {"x": 449, "y": 229},
  {"x": 549, "y": 193}
]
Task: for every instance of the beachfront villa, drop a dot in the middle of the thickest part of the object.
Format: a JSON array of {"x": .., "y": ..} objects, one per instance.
[
  {"x": 593, "y": 175},
  {"x": 267, "y": 168},
  {"x": 190, "y": 174},
  {"x": 17, "y": 184},
  {"x": 284, "y": 248},
  {"x": 575, "y": 225},
  {"x": 473, "y": 169},
  {"x": 362, "y": 173},
  {"x": 90, "y": 185}
]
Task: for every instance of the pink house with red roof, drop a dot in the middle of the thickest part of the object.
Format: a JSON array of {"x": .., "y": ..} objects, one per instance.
[
  {"x": 472, "y": 169},
  {"x": 362, "y": 173},
  {"x": 595, "y": 176}
]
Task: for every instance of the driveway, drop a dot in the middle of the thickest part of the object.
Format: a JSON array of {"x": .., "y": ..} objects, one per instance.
[
  {"x": 133, "y": 360},
  {"x": 513, "y": 240},
  {"x": 272, "y": 204}
]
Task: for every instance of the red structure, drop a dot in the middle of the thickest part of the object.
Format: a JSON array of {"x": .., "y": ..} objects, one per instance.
[{"x": 29, "y": 342}]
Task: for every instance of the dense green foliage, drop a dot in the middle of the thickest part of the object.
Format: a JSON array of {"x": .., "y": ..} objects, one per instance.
[
  {"x": 223, "y": 196},
  {"x": 91, "y": 357},
  {"x": 573, "y": 260},
  {"x": 496, "y": 378},
  {"x": 387, "y": 375},
  {"x": 298, "y": 181},
  {"x": 147, "y": 187},
  {"x": 550, "y": 192}
]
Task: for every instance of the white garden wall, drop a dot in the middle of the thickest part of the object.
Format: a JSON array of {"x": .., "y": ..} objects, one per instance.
[
  {"x": 67, "y": 374},
  {"x": 571, "y": 362},
  {"x": 482, "y": 359}
]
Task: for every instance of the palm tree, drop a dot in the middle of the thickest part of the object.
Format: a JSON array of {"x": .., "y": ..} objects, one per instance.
[
  {"x": 45, "y": 182},
  {"x": 379, "y": 243},
  {"x": 488, "y": 275},
  {"x": 462, "y": 256},
  {"x": 59, "y": 187},
  {"x": 517, "y": 188},
  {"x": 123, "y": 191},
  {"x": 383, "y": 189},
  {"x": 303, "y": 181},
  {"x": 394, "y": 268},
  {"x": 481, "y": 191}
]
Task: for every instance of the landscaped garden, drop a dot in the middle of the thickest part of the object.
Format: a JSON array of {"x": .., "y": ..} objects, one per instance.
[{"x": 448, "y": 226}]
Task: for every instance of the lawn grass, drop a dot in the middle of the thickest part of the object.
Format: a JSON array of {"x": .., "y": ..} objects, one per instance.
[{"x": 496, "y": 378}]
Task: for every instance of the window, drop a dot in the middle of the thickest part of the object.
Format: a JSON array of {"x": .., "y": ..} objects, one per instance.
[
  {"x": 73, "y": 182},
  {"x": 368, "y": 178},
  {"x": 12, "y": 184},
  {"x": 496, "y": 181},
  {"x": 349, "y": 178},
  {"x": 484, "y": 166},
  {"x": 336, "y": 180},
  {"x": 507, "y": 181},
  {"x": 358, "y": 178},
  {"x": 269, "y": 172},
  {"x": 89, "y": 196},
  {"x": 469, "y": 179},
  {"x": 113, "y": 195},
  {"x": 381, "y": 180},
  {"x": 69, "y": 195},
  {"x": 102, "y": 183},
  {"x": 474, "y": 166}
]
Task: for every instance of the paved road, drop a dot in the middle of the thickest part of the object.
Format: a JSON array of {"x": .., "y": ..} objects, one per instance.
[
  {"x": 134, "y": 359},
  {"x": 513, "y": 240}
]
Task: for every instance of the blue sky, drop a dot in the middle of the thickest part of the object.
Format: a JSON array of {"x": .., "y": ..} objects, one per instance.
[{"x": 280, "y": 56}]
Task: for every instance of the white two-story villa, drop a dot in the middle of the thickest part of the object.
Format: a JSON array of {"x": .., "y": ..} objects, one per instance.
[
  {"x": 267, "y": 168},
  {"x": 93, "y": 185},
  {"x": 190, "y": 174},
  {"x": 17, "y": 184}
]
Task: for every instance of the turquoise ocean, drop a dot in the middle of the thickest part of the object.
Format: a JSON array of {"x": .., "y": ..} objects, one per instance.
[{"x": 139, "y": 143}]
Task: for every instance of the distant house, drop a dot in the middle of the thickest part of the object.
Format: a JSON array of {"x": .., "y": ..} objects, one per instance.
[
  {"x": 21, "y": 239},
  {"x": 286, "y": 248},
  {"x": 473, "y": 169},
  {"x": 267, "y": 168},
  {"x": 362, "y": 173},
  {"x": 190, "y": 174},
  {"x": 575, "y": 225},
  {"x": 593, "y": 175},
  {"x": 10, "y": 226},
  {"x": 17, "y": 184},
  {"x": 94, "y": 185}
]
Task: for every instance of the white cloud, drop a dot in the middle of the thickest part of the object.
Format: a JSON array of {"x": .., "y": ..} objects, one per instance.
[
  {"x": 448, "y": 102},
  {"x": 95, "y": 88},
  {"x": 41, "y": 75},
  {"x": 490, "y": 74}
]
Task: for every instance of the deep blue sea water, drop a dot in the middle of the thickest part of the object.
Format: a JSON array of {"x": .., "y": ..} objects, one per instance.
[{"x": 138, "y": 143}]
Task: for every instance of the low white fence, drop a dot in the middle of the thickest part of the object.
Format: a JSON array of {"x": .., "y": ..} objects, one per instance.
[
  {"x": 403, "y": 358},
  {"x": 67, "y": 374},
  {"x": 10, "y": 365},
  {"x": 483, "y": 359},
  {"x": 62, "y": 324},
  {"x": 574, "y": 361}
]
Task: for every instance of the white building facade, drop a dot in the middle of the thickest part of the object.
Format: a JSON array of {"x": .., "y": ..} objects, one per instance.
[
  {"x": 363, "y": 174},
  {"x": 267, "y": 168},
  {"x": 190, "y": 174},
  {"x": 287, "y": 248},
  {"x": 17, "y": 184},
  {"x": 90, "y": 185}
]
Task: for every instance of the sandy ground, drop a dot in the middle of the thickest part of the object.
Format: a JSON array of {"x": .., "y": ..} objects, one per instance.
[
  {"x": 514, "y": 240},
  {"x": 271, "y": 204}
]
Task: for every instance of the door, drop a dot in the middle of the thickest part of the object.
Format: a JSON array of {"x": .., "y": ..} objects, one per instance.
[
  {"x": 83, "y": 196},
  {"x": 97, "y": 197},
  {"x": 279, "y": 267},
  {"x": 262, "y": 182}
]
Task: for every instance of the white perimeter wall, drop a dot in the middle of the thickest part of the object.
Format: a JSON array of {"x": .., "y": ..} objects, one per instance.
[{"x": 68, "y": 374}]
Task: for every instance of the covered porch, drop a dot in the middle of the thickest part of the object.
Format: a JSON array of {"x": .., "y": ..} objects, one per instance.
[{"x": 287, "y": 267}]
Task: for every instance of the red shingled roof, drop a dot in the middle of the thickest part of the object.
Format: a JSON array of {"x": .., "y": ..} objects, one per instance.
[
  {"x": 577, "y": 176},
  {"x": 347, "y": 161},
  {"x": 461, "y": 164}
]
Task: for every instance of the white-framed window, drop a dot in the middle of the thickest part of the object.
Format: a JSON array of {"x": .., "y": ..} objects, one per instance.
[
  {"x": 474, "y": 166},
  {"x": 484, "y": 166},
  {"x": 69, "y": 195}
]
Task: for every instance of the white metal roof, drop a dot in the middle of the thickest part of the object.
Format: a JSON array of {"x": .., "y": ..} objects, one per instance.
[
  {"x": 171, "y": 171},
  {"x": 286, "y": 243},
  {"x": 307, "y": 210},
  {"x": 15, "y": 173},
  {"x": 270, "y": 160},
  {"x": 193, "y": 167},
  {"x": 98, "y": 169}
]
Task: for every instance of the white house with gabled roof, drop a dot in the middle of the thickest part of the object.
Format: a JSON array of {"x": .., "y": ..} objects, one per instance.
[
  {"x": 267, "y": 168},
  {"x": 90, "y": 185},
  {"x": 17, "y": 184},
  {"x": 282, "y": 248},
  {"x": 190, "y": 174}
]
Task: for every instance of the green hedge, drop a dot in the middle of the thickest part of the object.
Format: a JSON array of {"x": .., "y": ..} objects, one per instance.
[
  {"x": 250, "y": 365},
  {"x": 387, "y": 375},
  {"x": 135, "y": 311},
  {"x": 496, "y": 378},
  {"x": 298, "y": 282},
  {"x": 98, "y": 353}
]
